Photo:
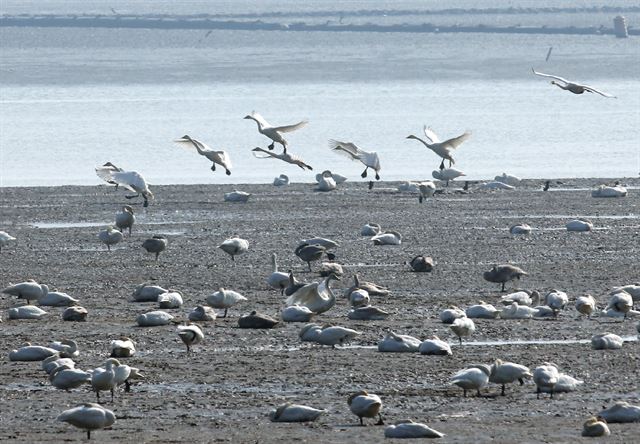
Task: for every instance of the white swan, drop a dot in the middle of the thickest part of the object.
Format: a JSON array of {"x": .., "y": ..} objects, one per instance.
[
  {"x": 579, "y": 225},
  {"x": 54, "y": 361},
  {"x": 444, "y": 149},
  {"x": 317, "y": 297},
  {"x": 295, "y": 413},
  {"x": 370, "y": 229},
  {"x": 330, "y": 335},
  {"x": 507, "y": 373},
  {"x": 595, "y": 427},
  {"x": 28, "y": 290},
  {"x": 516, "y": 311},
  {"x": 26, "y": 312},
  {"x": 370, "y": 287},
  {"x": 546, "y": 377},
  {"x": 32, "y": 353},
  {"x": 409, "y": 187},
  {"x": 202, "y": 314},
  {"x": 122, "y": 348},
  {"x": 367, "y": 313},
  {"x": 496, "y": 185},
  {"x": 606, "y": 191},
  {"x": 435, "y": 346},
  {"x": 110, "y": 236},
  {"x": 65, "y": 378},
  {"x": 359, "y": 298},
  {"x": 236, "y": 196},
  {"x": 234, "y": 246},
  {"x": 448, "y": 315},
  {"x": 5, "y": 238},
  {"x": 309, "y": 332},
  {"x": 565, "y": 384},
  {"x": 620, "y": 304},
  {"x": 154, "y": 319},
  {"x": 369, "y": 159},
  {"x": 296, "y": 313},
  {"x": 326, "y": 182},
  {"x": 170, "y": 299},
  {"x": 274, "y": 132},
  {"x": 281, "y": 181},
  {"x": 365, "y": 405},
  {"x": 557, "y": 300},
  {"x": 102, "y": 175},
  {"x": 606, "y": 341},
  {"x": 395, "y": 343},
  {"x": 147, "y": 293},
  {"x": 57, "y": 299},
  {"x": 339, "y": 178},
  {"x": 66, "y": 348},
  {"x": 576, "y": 88},
  {"x": 462, "y": 327},
  {"x": 521, "y": 297},
  {"x": 632, "y": 289},
  {"x": 472, "y": 378},
  {"x": 125, "y": 219},
  {"x": 190, "y": 334},
  {"x": 482, "y": 310},
  {"x": 104, "y": 378},
  {"x": 131, "y": 180},
  {"x": 508, "y": 179},
  {"x": 520, "y": 229},
  {"x": 156, "y": 244},
  {"x": 328, "y": 244},
  {"x": 88, "y": 417},
  {"x": 447, "y": 174},
  {"x": 621, "y": 411},
  {"x": 284, "y": 156},
  {"x": 277, "y": 279},
  {"x": 216, "y": 157},
  {"x": 586, "y": 305},
  {"x": 426, "y": 189},
  {"x": 387, "y": 238},
  {"x": 224, "y": 299},
  {"x": 410, "y": 429}
]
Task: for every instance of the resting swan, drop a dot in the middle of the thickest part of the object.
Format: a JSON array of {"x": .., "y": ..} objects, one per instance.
[
  {"x": 317, "y": 297},
  {"x": 387, "y": 238},
  {"x": 294, "y": 413},
  {"x": 396, "y": 343}
]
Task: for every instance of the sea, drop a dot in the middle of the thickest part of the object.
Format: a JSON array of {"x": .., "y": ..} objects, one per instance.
[{"x": 75, "y": 97}]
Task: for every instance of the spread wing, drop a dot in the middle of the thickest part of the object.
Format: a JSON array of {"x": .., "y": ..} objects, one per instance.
[
  {"x": 122, "y": 178},
  {"x": 225, "y": 160},
  {"x": 457, "y": 141},
  {"x": 549, "y": 75},
  {"x": 433, "y": 137},
  {"x": 346, "y": 148},
  {"x": 289, "y": 128},
  {"x": 602, "y": 93},
  {"x": 192, "y": 144}
]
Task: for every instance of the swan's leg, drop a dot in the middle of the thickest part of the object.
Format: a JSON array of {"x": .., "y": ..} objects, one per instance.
[
  {"x": 465, "y": 392},
  {"x": 146, "y": 201},
  {"x": 309, "y": 264},
  {"x": 108, "y": 247},
  {"x": 371, "y": 184},
  {"x": 377, "y": 176},
  {"x": 117, "y": 185},
  {"x": 450, "y": 163},
  {"x": 130, "y": 230},
  {"x": 361, "y": 422},
  {"x": 225, "y": 312},
  {"x": 88, "y": 434},
  {"x": 364, "y": 173},
  {"x": 420, "y": 198},
  {"x": 272, "y": 146},
  {"x": 228, "y": 172},
  {"x": 502, "y": 392},
  {"x": 479, "y": 394},
  {"x": 157, "y": 254},
  {"x": 213, "y": 167},
  {"x": 188, "y": 349},
  {"x": 552, "y": 392},
  {"x": 380, "y": 421},
  {"x": 98, "y": 395},
  {"x": 460, "y": 339},
  {"x": 131, "y": 196},
  {"x": 447, "y": 183},
  {"x": 112, "y": 394},
  {"x": 127, "y": 386},
  {"x": 538, "y": 393},
  {"x": 521, "y": 381},
  {"x": 442, "y": 165},
  {"x": 502, "y": 287}
]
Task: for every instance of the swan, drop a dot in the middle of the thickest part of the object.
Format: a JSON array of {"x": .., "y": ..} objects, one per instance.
[
  {"x": 309, "y": 253},
  {"x": 387, "y": 238},
  {"x": 55, "y": 361},
  {"x": 368, "y": 159},
  {"x": 507, "y": 373},
  {"x": 293, "y": 159},
  {"x": 504, "y": 273},
  {"x": 26, "y": 312},
  {"x": 28, "y": 290},
  {"x": 633, "y": 290},
  {"x": 296, "y": 313},
  {"x": 257, "y": 320},
  {"x": 516, "y": 311},
  {"x": 88, "y": 417},
  {"x": 545, "y": 376},
  {"x": 365, "y": 405},
  {"x": 65, "y": 378},
  {"x": 565, "y": 384},
  {"x": 294, "y": 284},
  {"x": 333, "y": 335},
  {"x": 594, "y": 427},
  {"x": 317, "y": 297},
  {"x": 521, "y": 297},
  {"x": 309, "y": 333},
  {"x": 66, "y": 348},
  {"x": 359, "y": 298},
  {"x": 435, "y": 346},
  {"x": 606, "y": 341},
  {"x": 190, "y": 334},
  {"x": 462, "y": 327},
  {"x": 236, "y": 196},
  {"x": 508, "y": 179},
  {"x": 367, "y": 313},
  {"x": 110, "y": 236},
  {"x": 327, "y": 268},
  {"x": 274, "y": 132},
  {"x": 75, "y": 313},
  {"x": 370, "y": 287},
  {"x": 426, "y": 189},
  {"x": 202, "y": 314},
  {"x": 421, "y": 264},
  {"x": 409, "y": 187},
  {"x": 294, "y": 413},
  {"x": 482, "y": 310},
  {"x": 57, "y": 299},
  {"x": 339, "y": 178},
  {"x": 32, "y": 353},
  {"x": 395, "y": 343},
  {"x": 579, "y": 225},
  {"x": 520, "y": 229},
  {"x": 448, "y": 315},
  {"x": 573, "y": 87},
  {"x": 370, "y": 229},
  {"x": 125, "y": 219},
  {"x": 556, "y": 300},
  {"x": 157, "y": 244},
  {"x": 154, "y": 319},
  {"x": 101, "y": 173},
  {"x": 234, "y": 246},
  {"x": 147, "y": 293},
  {"x": 104, "y": 378},
  {"x": 606, "y": 191},
  {"x": 586, "y": 305},
  {"x": 495, "y": 185},
  {"x": 328, "y": 244},
  {"x": 131, "y": 180},
  {"x": 170, "y": 299},
  {"x": 326, "y": 182},
  {"x": 224, "y": 299},
  {"x": 5, "y": 238},
  {"x": 472, "y": 378},
  {"x": 410, "y": 429},
  {"x": 281, "y": 181},
  {"x": 447, "y": 174},
  {"x": 444, "y": 149},
  {"x": 621, "y": 303},
  {"x": 216, "y": 157},
  {"x": 122, "y": 348},
  {"x": 621, "y": 411}
]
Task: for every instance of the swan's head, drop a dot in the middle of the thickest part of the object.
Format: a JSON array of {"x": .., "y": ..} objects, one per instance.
[
  {"x": 411, "y": 136},
  {"x": 184, "y": 138},
  {"x": 249, "y": 116}
]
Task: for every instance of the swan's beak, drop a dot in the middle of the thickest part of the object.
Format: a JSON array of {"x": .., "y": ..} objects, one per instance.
[{"x": 246, "y": 117}]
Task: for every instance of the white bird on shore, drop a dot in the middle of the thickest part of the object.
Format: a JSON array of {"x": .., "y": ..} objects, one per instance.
[
  {"x": 369, "y": 159},
  {"x": 367, "y": 313},
  {"x": 447, "y": 174},
  {"x": 621, "y": 412},
  {"x": 88, "y": 417},
  {"x": 546, "y": 376},
  {"x": 462, "y": 327},
  {"x": 557, "y": 300},
  {"x": 57, "y": 299},
  {"x": 236, "y": 196},
  {"x": 482, "y": 310},
  {"x": 579, "y": 225},
  {"x": 125, "y": 219},
  {"x": 131, "y": 180},
  {"x": 147, "y": 293},
  {"x": 595, "y": 427},
  {"x": 122, "y": 348},
  {"x": 274, "y": 132},
  {"x": 387, "y": 238},
  {"x": 472, "y": 378},
  {"x": 426, "y": 189},
  {"x": 277, "y": 279},
  {"x": 54, "y": 361},
  {"x": 294, "y": 413},
  {"x": 365, "y": 405},
  {"x": 370, "y": 229},
  {"x": 110, "y": 236},
  {"x": 281, "y": 181},
  {"x": 508, "y": 179},
  {"x": 156, "y": 244},
  {"x": 565, "y": 384},
  {"x": 632, "y": 289},
  {"x": 28, "y": 290},
  {"x": 234, "y": 246},
  {"x": 371, "y": 288},
  {"x": 520, "y": 229},
  {"x": 410, "y": 429},
  {"x": 5, "y": 238},
  {"x": 224, "y": 299},
  {"x": 202, "y": 314},
  {"x": 66, "y": 348},
  {"x": 448, "y": 315},
  {"x": 435, "y": 346},
  {"x": 216, "y": 157},
  {"x": 326, "y": 182},
  {"x": 359, "y": 298},
  {"x": 331, "y": 335},
  {"x": 32, "y": 353},
  {"x": 395, "y": 343},
  {"x": 111, "y": 167},
  {"x": 586, "y": 305},
  {"x": 26, "y": 312},
  {"x": 284, "y": 156},
  {"x": 296, "y": 313},
  {"x": 154, "y": 319},
  {"x": 521, "y": 297},
  {"x": 576, "y": 88},
  {"x": 507, "y": 373},
  {"x": 65, "y": 378},
  {"x": 445, "y": 148},
  {"x": 317, "y": 296},
  {"x": 170, "y": 299},
  {"x": 339, "y": 178},
  {"x": 496, "y": 185},
  {"x": 606, "y": 341},
  {"x": 607, "y": 191},
  {"x": 620, "y": 304},
  {"x": 190, "y": 334},
  {"x": 516, "y": 311}
]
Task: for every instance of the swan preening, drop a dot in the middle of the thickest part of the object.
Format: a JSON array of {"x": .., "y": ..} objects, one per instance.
[
  {"x": 546, "y": 376},
  {"x": 156, "y": 245},
  {"x": 122, "y": 348},
  {"x": 216, "y": 157},
  {"x": 594, "y": 427},
  {"x": 426, "y": 189},
  {"x": 131, "y": 180},
  {"x": 29, "y": 290},
  {"x": 234, "y": 246},
  {"x": 444, "y": 149},
  {"x": 462, "y": 327},
  {"x": 274, "y": 132},
  {"x": 501, "y": 274},
  {"x": 281, "y": 181},
  {"x": 190, "y": 334},
  {"x": 370, "y": 229},
  {"x": 5, "y": 238},
  {"x": 284, "y": 156},
  {"x": 224, "y": 299},
  {"x": 326, "y": 182},
  {"x": 368, "y": 158},
  {"x": 435, "y": 346},
  {"x": 365, "y": 405},
  {"x": 202, "y": 314},
  {"x": 576, "y": 88},
  {"x": 447, "y": 174},
  {"x": 88, "y": 417},
  {"x": 387, "y": 238},
  {"x": 110, "y": 236},
  {"x": 170, "y": 299},
  {"x": 317, "y": 297}
]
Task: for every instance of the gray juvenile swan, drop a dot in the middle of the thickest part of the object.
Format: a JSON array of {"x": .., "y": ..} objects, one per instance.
[{"x": 501, "y": 274}]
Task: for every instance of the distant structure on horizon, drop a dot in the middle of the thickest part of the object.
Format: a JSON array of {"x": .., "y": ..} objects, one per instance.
[{"x": 620, "y": 27}]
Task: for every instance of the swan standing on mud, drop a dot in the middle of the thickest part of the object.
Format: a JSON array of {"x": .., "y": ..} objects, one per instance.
[
  {"x": 274, "y": 132},
  {"x": 501, "y": 274},
  {"x": 28, "y": 290},
  {"x": 444, "y": 149},
  {"x": 462, "y": 327},
  {"x": 110, "y": 236},
  {"x": 125, "y": 219},
  {"x": 190, "y": 334},
  {"x": 317, "y": 297},
  {"x": 507, "y": 373},
  {"x": 156, "y": 244},
  {"x": 234, "y": 246},
  {"x": 224, "y": 299},
  {"x": 546, "y": 377},
  {"x": 366, "y": 405},
  {"x": 277, "y": 279},
  {"x": 472, "y": 378},
  {"x": 88, "y": 417},
  {"x": 216, "y": 157}
]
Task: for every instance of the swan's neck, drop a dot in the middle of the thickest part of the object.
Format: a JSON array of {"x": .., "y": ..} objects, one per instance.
[
  {"x": 559, "y": 85},
  {"x": 274, "y": 262},
  {"x": 424, "y": 142},
  {"x": 260, "y": 127}
]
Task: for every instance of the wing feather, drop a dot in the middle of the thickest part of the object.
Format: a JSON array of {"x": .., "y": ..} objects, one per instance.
[
  {"x": 550, "y": 76},
  {"x": 433, "y": 137},
  {"x": 602, "y": 93},
  {"x": 289, "y": 128},
  {"x": 457, "y": 141},
  {"x": 260, "y": 119},
  {"x": 346, "y": 149}
]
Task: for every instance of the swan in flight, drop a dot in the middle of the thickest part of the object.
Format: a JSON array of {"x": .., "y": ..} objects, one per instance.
[
  {"x": 576, "y": 88},
  {"x": 219, "y": 157},
  {"x": 368, "y": 158},
  {"x": 131, "y": 180},
  {"x": 284, "y": 156},
  {"x": 274, "y": 132},
  {"x": 443, "y": 149},
  {"x": 111, "y": 167}
]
